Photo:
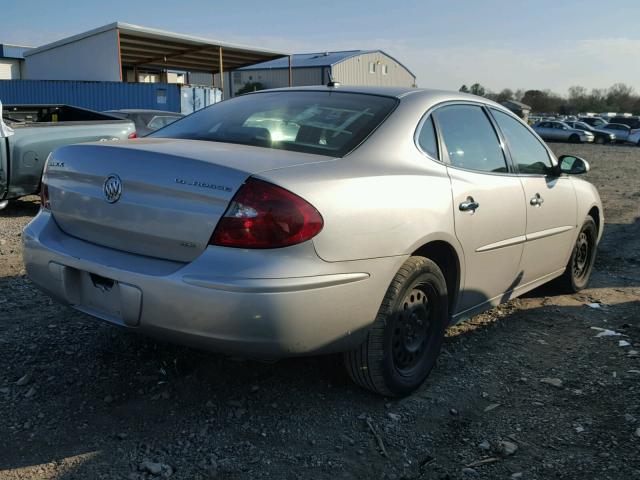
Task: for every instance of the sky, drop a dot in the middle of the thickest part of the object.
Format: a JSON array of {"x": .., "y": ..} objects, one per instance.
[{"x": 517, "y": 44}]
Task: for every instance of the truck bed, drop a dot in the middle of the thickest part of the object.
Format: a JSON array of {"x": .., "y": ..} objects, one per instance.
[{"x": 39, "y": 129}]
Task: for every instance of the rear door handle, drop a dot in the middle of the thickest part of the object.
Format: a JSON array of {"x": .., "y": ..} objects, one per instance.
[
  {"x": 469, "y": 205},
  {"x": 536, "y": 200}
]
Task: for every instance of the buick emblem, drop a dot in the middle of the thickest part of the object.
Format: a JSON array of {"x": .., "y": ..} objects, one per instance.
[{"x": 112, "y": 188}]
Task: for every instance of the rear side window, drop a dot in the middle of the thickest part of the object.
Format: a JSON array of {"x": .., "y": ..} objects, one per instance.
[
  {"x": 469, "y": 138},
  {"x": 427, "y": 138},
  {"x": 526, "y": 150},
  {"x": 325, "y": 123}
]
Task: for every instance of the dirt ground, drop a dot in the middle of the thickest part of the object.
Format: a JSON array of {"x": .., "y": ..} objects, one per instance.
[{"x": 526, "y": 390}]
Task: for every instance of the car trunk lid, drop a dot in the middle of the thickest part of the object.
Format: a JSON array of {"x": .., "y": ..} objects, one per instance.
[{"x": 155, "y": 197}]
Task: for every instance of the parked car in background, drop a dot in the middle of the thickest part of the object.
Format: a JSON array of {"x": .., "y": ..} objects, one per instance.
[
  {"x": 601, "y": 136},
  {"x": 561, "y": 132},
  {"x": 634, "y": 137},
  {"x": 631, "y": 122},
  {"x": 620, "y": 130},
  {"x": 39, "y": 129},
  {"x": 593, "y": 121},
  {"x": 312, "y": 220},
  {"x": 147, "y": 121}
]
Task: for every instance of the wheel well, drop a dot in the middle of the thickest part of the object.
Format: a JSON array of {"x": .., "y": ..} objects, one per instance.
[
  {"x": 445, "y": 256},
  {"x": 595, "y": 214}
]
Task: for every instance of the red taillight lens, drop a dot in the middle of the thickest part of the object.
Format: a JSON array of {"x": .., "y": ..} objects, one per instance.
[
  {"x": 44, "y": 196},
  {"x": 132, "y": 135},
  {"x": 263, "y": 215}
]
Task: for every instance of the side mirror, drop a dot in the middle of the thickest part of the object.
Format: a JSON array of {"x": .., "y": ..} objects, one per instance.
[{"x": 572, "y": 165}]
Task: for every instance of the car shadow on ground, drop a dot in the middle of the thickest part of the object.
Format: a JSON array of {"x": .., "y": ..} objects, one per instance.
[{"x": 26, "y": 206}]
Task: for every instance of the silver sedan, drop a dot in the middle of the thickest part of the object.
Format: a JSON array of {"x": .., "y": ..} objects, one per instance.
[
  {"x": 562, "y": 132},
  {"x": 315, "y": 220}
]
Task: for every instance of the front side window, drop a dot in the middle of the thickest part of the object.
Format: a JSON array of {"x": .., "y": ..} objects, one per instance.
[
  {"x": 469, "y": 138},
  {"x": 324, "y": 123},
  {"x": 526, "y": 150},
  {"x": 427, "y": 138}
]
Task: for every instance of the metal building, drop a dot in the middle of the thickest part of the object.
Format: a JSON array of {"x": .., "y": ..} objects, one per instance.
[
  {"x": 352, "y": 67},
  {"x": 121, "y": 52},
  {"x": 12, "y": 61}
]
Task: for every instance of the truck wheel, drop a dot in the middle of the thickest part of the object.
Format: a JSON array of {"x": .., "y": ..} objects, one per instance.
[
  {"x": 403, "y": 344},
  {"x": 574, "y": 138},
  {"x": 578, "y": 270}
]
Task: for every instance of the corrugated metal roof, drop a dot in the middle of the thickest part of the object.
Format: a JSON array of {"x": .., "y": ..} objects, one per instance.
[
  {"x": 301, "y": 60},
  {"x": 143, "y": 46},
  {"x": 138, "y": 30},
  {"x": 319, "y": 59},
  {"x": 12, "y": 51}
]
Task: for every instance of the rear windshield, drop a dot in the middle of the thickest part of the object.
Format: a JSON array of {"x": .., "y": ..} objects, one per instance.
[{"x": 325, "y": 123}]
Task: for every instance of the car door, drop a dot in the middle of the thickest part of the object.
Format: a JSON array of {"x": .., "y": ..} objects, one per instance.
[
  {"x": 621, "y": 131},
  {"x": 489, "y": 213},
  {"x": 561, "y": 132},
  {"x": 551, "y": 205},
  {"x": 543, "y": 129}
]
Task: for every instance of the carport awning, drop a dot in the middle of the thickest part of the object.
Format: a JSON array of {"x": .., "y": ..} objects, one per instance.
[{"x": 147, "y": 47}]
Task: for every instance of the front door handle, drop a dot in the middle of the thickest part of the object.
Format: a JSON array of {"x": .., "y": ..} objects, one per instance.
[
  {"x": 536, "y": 200},
  {"x": 469, "y": 205}
]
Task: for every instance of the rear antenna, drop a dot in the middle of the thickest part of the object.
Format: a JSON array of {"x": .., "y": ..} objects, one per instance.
[{"x": 332, "y": 83}]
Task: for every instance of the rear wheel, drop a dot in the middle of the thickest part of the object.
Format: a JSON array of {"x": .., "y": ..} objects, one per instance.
[
  {"x": 404, "y": 342},
  {"x": 574, "y": 138},
  {"x": 578, "y": 270}
]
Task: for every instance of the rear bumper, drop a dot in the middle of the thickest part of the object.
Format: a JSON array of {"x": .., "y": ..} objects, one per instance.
[{"x": 271, "y": 303}]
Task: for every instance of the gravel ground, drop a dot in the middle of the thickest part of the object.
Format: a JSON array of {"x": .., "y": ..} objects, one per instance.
[{"x": 523, "y": 391}]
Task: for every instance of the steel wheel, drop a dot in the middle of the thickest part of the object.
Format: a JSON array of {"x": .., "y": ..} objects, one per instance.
[
  {"x": 578, "y": 270},
  {"x": 582, "y": 256},
  {"x": 403, "y": 343},
  {"x": 411, "y": 330}
]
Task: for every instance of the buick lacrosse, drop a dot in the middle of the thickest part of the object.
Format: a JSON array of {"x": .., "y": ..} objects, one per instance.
[{"x": 315, "y": 220}]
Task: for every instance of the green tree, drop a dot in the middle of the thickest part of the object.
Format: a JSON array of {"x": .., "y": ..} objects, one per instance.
[
  {"x": 477, "y": 89},
  {"x": 504, "y": 95},
  {"x": 464, "y": 89}
]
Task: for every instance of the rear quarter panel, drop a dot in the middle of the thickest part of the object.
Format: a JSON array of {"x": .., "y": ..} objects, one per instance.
[{"x": 384, "y": 199}]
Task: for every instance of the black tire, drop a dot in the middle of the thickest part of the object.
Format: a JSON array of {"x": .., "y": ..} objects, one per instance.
[
  {"x": 403, "y": 344},
  {"x": 575, "y": 138},
  {"x": 600, "y": 140},
  {"x": 578, "y": 270}
]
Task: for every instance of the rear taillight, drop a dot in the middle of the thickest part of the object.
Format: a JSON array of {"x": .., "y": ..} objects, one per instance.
[
  {"x": 263, "y": 215},
  {"x": 44, "y": 196},
  {"x": 132, "y": 135}
]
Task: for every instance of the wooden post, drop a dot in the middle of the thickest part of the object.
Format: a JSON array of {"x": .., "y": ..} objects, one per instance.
[
  {"x": 221, "y": 65},
  {"x": 290, "y": 73}
]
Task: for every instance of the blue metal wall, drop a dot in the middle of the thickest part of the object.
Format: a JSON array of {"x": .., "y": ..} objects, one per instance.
[{"x": 92, "y": 95}]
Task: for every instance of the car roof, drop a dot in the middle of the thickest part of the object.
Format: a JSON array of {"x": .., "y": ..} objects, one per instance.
[{"x": 425, "y": 94}]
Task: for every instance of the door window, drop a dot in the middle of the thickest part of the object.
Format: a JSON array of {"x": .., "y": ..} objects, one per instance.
[
  {"x": 469, "y": 138},
  {"x": 527, "y": 151}
]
